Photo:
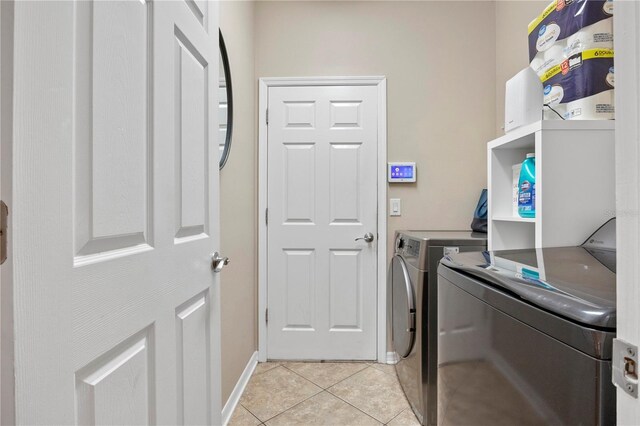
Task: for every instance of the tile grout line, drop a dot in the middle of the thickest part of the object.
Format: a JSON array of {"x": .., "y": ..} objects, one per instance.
[
  {"x": 363, "y": 412},
  {"x": 248, "y": 411},
  {"x": 383, "y": 423},
  {"x": 322, "y": 389},
  {"x": 397, "y": 415},
  {"x": 251, "y": 412},
  {"x": 347, "y": 402},
  {"x": 327, "y": 388},
  {"x": 282, "y": 412},
  {"x": 379, "y": 369},
  {"x": 266, "y": 371},
  {"x": 295, "y": 405},
  {"x": 334, "y": 395},
  {"x": 329, "y": 392}
]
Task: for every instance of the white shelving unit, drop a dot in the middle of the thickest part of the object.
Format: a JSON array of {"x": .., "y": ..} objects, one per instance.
[{"x": 575, "y": 183}]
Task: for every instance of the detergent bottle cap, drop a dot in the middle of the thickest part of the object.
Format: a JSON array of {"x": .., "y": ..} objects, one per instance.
[{"x": 531, "y": 155}]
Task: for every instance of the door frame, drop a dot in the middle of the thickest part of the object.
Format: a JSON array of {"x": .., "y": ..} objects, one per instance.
[
  {"x": 381, "y": 309},
  {"x": 7, "y": 377},
  {"x": 626, "y": 24}
]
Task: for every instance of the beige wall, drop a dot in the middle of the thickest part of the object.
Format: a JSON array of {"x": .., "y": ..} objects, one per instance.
[
  {"x": 439, "y": 59},
  {"x": 446, "y": 65},
  {"x": 512, "y": 51},
  {"x": 238, "y": 200}
]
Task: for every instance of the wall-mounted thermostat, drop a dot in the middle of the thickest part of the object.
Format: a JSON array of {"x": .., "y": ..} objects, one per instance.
[{"x": 402, "y": 172}]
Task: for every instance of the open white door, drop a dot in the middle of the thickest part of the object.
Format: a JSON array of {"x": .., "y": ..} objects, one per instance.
[
  {"x": 627, "y": 46},
  {"x": 115, "y": 212}
]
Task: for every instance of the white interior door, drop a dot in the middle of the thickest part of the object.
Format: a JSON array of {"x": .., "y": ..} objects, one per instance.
[
  {"x": 115, "y": 212},
  {"x": 322, "y": 195}
]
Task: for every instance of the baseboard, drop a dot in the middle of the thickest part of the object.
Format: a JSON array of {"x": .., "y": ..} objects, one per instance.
[
  {"x": 234, "y": 398},
  {"x": 392, "y": 358}
]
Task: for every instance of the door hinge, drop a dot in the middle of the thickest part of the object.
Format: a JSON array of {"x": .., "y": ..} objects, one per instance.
[
  {"x": 4, "y": 212},
  {"x": 266, "y": 216},
  {"x": 266, "y": 315},
  {"x": 625, "y": 366},
  {"x": 267, "y": 116}
]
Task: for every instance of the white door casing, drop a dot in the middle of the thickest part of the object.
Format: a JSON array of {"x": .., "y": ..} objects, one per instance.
[
  {"x": 627, "y": 47},
  {"x": 115, "y": 212},
  {"x": 322, "y": 195}
]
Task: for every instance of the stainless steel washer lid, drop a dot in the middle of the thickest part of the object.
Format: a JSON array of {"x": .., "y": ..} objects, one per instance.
[
  {"x": 403, "y": 317},
  {"x": 570, "y": 282},
  {"x": 454, "y": 238}
]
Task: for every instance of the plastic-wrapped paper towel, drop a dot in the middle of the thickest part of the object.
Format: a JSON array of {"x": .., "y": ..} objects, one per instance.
[
  {"x": 571, "y": 50},
  {"x": 582, "y": 86},
  {"x": 596, "y": 107},
  {"x": 596, "y": 36},
  {"x": 564, "y": 18}
]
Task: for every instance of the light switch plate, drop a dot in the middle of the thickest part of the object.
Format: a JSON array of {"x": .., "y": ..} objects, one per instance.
[{"x": 395, "y": 207}]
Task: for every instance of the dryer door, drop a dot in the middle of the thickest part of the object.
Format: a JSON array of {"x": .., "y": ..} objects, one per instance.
[{"x": 404, "y": 308}]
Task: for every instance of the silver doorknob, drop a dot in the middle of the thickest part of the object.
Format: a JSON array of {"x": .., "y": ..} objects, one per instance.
[
  {"x": 218, "y": 262},
  {"x": 368, "y": 237}
]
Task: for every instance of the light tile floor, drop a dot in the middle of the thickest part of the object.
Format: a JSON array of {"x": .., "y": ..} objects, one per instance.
[{"x": 329, "y": 393}]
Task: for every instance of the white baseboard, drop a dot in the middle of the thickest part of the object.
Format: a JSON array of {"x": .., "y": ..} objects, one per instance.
[
  {"x": 392, "y": 358},
  {"x": 234, "y": 398}
]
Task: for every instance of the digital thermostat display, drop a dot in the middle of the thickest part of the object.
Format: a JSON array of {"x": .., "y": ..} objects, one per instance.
[{"x": 402, "y": 172}]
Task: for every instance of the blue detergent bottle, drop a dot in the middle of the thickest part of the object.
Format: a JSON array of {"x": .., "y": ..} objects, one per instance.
[{"x": 527, "y": 187}]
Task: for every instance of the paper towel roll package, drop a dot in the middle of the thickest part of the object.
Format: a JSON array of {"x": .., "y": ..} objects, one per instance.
[
  {"x": 596, "y": 36},
  {"x": 564, "y": 18},
  {"x": 596, "y": 107},
  {"x": 570, "y": 87}
]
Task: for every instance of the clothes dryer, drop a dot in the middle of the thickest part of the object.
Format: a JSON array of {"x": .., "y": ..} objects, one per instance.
[{"x": 414, "y": 310}]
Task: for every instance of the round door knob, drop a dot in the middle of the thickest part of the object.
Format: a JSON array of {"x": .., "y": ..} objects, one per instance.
[
  {"x": 218, "y": 262},
  {"x": 368, "y": 237}
]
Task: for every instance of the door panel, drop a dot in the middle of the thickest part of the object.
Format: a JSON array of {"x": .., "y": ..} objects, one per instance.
[
  {"x": 122, "y": 378},
  {"x": 300, "y": 290},
  {"x": 345, "y": 290},
  {"x": 322, "y": 195},
  {"x": 345, "y": 183},
  {"x": 299, "y": 183},
  {"x": 192, "y": 127},
  {"x": 194, "y": 359},
  {"x": 112, "y": 99},
  {"x": 117, "y": 318}
]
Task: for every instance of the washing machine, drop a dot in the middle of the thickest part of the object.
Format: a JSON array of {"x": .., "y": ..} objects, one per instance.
[
  {"x": 413, "y": 275},
  {"x": 526, "y": 337}
]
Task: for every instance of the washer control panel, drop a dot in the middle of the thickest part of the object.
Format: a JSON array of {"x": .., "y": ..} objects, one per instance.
[{"x": 411, "y": 247}]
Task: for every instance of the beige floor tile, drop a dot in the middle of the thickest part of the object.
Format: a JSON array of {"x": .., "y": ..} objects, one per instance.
[
  {"x": 242, "y": 417},
  {"x": 265, "y": 366},
  {"x": 272, "y": 392},
  {"x": 325, "y": 374},
  {"x": 406, "y": 418},
  {"x": 386, "y": 368},
  {"x": 374, "y": 392},
  {"x": 323, "y": 409}
]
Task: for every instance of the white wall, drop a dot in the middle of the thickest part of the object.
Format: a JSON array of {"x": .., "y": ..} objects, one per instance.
[
  {"x": 512, "y": 50},
  {"x": 446, "y": 64}
]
